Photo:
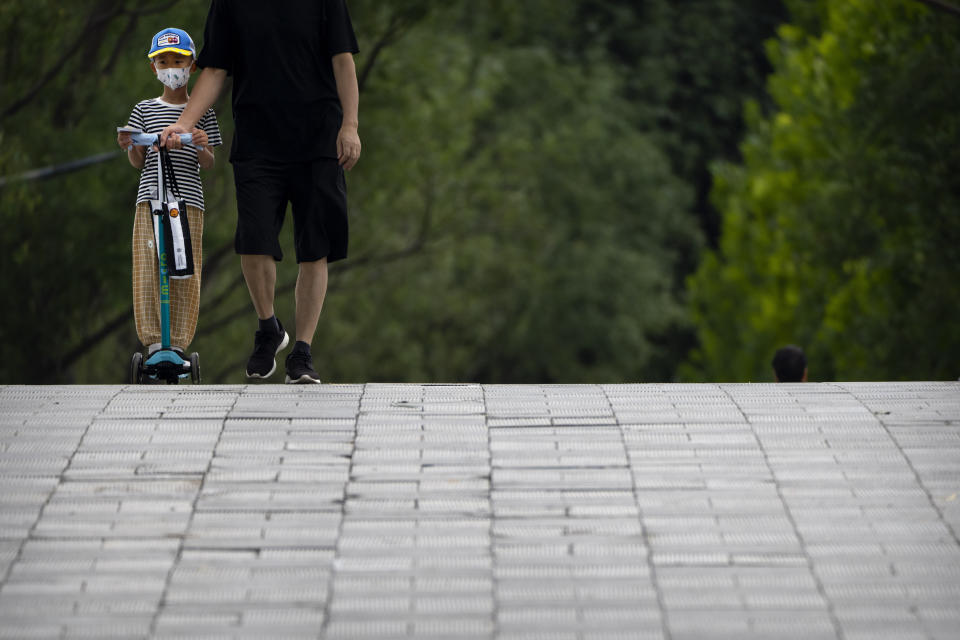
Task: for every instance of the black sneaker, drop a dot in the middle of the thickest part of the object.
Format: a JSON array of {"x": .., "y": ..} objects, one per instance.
[
  {"x": 300, "y": 368},
  {"x": 266, "y": 346}
]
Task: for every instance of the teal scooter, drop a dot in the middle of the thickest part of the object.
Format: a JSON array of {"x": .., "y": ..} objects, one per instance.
[{"x": 165, "y": 364}]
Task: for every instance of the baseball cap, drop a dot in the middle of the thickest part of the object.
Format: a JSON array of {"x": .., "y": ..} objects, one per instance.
[{"x": 170, "y": 39}]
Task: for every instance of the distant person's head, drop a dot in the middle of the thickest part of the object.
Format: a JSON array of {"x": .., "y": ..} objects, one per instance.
[{"x": 790, "y": 364}]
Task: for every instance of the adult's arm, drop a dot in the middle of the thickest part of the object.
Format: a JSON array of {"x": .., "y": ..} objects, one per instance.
[
  {"x": 348, "y": 139},
  {"x": 205, "y": 93}
]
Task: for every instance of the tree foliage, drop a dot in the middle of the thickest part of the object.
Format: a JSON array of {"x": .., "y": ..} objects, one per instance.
[
  {"x": 536, "y": 256},
  {"x": 840, "y": 227},
  {"x": 532, "y": 194},
  {"x": 688, "y": 66}
]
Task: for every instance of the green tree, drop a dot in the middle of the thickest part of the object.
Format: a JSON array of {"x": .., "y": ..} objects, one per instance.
[
  {"x": 540, "y": 255},
  {"x": 840, "y": 230},
  {"x": 689, "y": 67}
]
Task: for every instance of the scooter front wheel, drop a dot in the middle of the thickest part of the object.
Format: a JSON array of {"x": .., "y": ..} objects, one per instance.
[
  {"x": 136, "y": 369},
  {"x": 195, "y": 367}
]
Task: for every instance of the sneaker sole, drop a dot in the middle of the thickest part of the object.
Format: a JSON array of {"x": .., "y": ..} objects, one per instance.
[
  {"x": 304, "y": 379},
  {"x": 283, "y": 345}
]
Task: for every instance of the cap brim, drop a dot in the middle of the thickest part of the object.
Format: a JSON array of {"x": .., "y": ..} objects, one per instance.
[{"x": 185, "y": 52}]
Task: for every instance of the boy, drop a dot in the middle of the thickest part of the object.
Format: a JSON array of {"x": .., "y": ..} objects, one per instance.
[{"x": 172, "y": 58}]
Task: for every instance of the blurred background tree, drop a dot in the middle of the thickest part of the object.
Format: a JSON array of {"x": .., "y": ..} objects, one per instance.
[
  {"x": 534, "y": 191},
  {"x": 841, "y": 229}
]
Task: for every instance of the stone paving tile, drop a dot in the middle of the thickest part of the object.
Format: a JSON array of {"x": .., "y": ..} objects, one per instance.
[{"x": 467, "y": 511}]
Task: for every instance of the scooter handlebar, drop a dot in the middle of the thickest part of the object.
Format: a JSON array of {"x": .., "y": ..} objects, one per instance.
[{"x": 150, "y": 139}]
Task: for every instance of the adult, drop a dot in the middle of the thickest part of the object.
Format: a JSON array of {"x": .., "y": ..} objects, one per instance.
[
  {"x": 295, "y": 103},
  {"x": 790, "y": 364}
]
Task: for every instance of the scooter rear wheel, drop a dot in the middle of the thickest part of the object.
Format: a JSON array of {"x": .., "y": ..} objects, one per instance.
[
  {"x": 136, "y": 369},
  {"x": 195, "y": 367}
]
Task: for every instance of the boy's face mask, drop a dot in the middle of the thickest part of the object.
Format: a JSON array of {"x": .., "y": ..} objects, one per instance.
[{"x": 174, "y": 77}]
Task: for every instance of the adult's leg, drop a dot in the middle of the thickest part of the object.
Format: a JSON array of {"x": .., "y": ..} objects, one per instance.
[
  {"x": 310, "y": 293},
  {"x": 320, "y": 236},
  {"x": 261, "y": 204},
  {"x": 260, "y": 272}
]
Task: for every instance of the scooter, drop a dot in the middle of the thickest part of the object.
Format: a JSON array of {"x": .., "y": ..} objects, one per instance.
[{"x": 165, "y": 364}]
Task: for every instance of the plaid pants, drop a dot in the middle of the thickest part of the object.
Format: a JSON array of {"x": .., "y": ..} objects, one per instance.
[{"x": 184, "y": 294}]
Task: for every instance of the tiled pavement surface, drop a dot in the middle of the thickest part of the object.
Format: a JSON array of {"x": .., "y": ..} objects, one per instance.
[{"x": 463, "y": 511}]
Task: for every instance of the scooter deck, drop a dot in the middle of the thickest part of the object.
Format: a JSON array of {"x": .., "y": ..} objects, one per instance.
[{"x": 166, "y": 365}]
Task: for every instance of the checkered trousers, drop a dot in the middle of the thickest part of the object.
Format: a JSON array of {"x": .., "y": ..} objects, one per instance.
[{"x": 184, "y": 294}]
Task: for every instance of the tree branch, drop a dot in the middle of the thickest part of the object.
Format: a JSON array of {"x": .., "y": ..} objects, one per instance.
[
  {"x": 223, "y": 295},
  {"x": 232, "y": 368},
  {"x": 97, "y": 337},
  {"x": 87, "y": 343},
  {"x": 399, "y": 22},
  {"x": 12, "y": 43},
  {"x": 382, "y": 42},
  {"x": 160, "y": 7},
  {"x": 60, "y": 169},
  {"x": 416, "y": 245},
  {"x": 943, "y": 5},
  {"x": 133, "y": 17},
  {"x": 91, "y": 31},
  {"x": 239, "y": 311},
  {"x": 213, "y": 261},
  {"x": 121, "y": 42}
]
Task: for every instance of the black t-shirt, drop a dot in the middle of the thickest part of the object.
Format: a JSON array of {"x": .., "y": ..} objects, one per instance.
[{"x": 285, "y": 101}]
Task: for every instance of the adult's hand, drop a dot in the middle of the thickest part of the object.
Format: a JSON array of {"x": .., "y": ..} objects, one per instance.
[
  {"x": 170, "y": 136},
  {"x": 348, "y": 141},
  {"x": 348, "y": 147}
]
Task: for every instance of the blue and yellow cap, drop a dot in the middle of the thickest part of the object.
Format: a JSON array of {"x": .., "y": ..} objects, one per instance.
[{"x": 176, "y": 40}]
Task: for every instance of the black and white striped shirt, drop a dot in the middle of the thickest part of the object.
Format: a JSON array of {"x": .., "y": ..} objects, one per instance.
[{"x": 151, "y": 116}]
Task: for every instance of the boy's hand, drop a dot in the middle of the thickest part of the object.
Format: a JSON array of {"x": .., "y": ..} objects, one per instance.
[
  {"x": 200, "y": 138},
  {"x": 123, "y": 139}
]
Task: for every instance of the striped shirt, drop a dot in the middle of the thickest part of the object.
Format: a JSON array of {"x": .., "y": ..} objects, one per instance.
[{"x": 151, "y": 116}]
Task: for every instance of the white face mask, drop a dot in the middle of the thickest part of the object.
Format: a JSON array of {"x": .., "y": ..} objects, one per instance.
[{"x": 174, "y": 77}]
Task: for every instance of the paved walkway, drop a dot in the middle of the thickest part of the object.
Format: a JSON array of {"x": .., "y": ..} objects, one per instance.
[{"x": 462, "y": 511}]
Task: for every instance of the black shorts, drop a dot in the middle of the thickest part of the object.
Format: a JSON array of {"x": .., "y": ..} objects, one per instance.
[{"x": 318, "y": 193}]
